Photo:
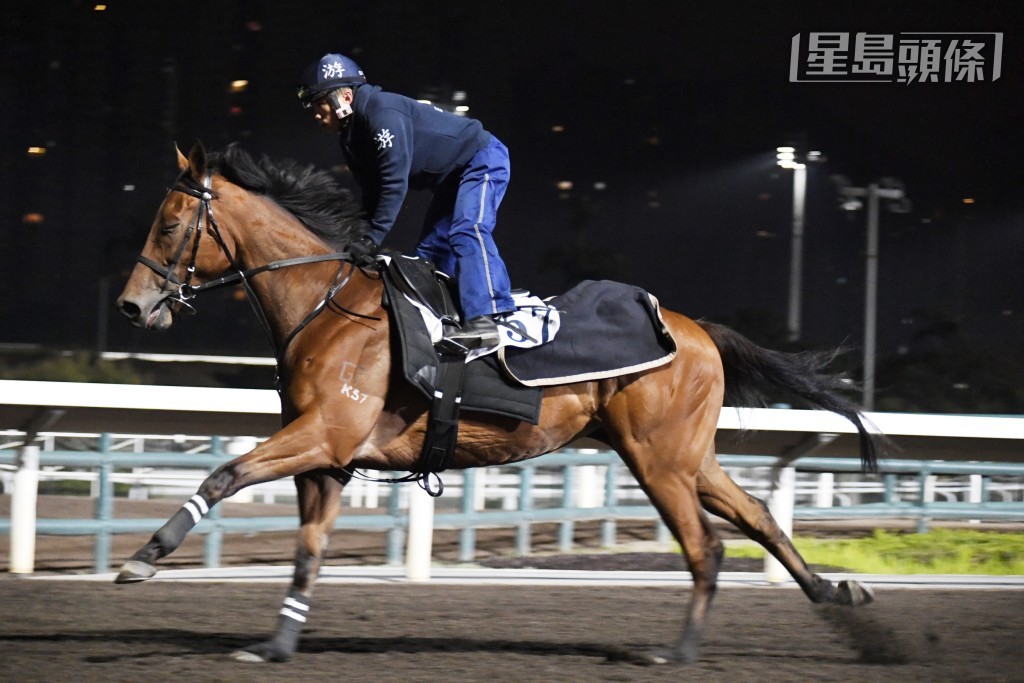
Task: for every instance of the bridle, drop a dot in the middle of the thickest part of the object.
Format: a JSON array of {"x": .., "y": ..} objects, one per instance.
[{"x": 187, "y": 292}]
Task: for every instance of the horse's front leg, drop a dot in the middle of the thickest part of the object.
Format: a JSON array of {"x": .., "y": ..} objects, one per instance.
[
  {"x": 289, "y": 452},
  {"x": 319, "y": 494}
]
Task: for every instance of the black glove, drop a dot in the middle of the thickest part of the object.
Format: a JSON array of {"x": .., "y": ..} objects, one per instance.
[{"x": 362, "y": 251}]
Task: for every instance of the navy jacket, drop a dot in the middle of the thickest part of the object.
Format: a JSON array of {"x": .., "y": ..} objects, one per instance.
[{"x": 394, "y": 143}]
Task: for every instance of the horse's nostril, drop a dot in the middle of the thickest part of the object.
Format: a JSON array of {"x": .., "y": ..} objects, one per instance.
[{"x": 128, "y": 309}]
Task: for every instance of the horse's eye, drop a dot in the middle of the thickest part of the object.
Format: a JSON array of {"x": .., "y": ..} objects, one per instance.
[{"x": 168, "y": 229}]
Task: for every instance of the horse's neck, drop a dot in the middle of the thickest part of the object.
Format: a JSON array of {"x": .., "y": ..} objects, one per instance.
[{"x": 286, "y": 295}]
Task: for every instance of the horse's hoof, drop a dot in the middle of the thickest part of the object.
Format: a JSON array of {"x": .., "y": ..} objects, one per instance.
[
  {"x": 655, "y": 655},
  {"x": 269, "y": 651},
  {"x": 246, "y": 656},
  {"x": 134, "y": 571},
  {"x": 853, "y": 593}
]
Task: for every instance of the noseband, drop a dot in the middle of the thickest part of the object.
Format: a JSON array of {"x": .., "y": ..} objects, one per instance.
[{"x": 187, "y": 292}]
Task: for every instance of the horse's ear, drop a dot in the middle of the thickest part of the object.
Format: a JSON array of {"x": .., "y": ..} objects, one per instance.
[
  {"x": 197, "y": 160},
  {"x": 182, "y": 159}
]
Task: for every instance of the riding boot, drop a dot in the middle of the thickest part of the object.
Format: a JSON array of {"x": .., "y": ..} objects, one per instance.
[{"x": 480, "y": 332}]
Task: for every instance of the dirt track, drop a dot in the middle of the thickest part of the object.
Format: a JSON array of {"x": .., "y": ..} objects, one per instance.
[{"x": 164, "y": 631}]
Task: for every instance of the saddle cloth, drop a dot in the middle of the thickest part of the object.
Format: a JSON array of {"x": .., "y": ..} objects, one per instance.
[{"x": 606, "y": 329}]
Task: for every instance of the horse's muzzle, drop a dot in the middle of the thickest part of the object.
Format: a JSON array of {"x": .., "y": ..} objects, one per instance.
[{"x": 155, "y": 317}]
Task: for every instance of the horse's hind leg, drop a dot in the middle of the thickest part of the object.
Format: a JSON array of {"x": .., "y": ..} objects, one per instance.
[
  {"x": 666, "y": 473},
  {"x": 319, "y": 494},
  {"x": 721, "y": 496},
  {"x": 674, "y": 494}
]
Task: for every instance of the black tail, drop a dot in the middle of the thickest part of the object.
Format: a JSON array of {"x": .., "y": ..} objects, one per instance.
[{"x": 802, "y": 374}]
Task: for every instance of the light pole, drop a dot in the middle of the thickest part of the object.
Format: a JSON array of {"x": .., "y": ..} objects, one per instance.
[
  {"x": 786, "y": 157},
  {"x": 885, "y": 188}
]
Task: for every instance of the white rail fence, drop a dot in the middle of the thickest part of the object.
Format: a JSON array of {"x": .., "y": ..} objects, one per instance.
[{"x": 498, "y": 487}]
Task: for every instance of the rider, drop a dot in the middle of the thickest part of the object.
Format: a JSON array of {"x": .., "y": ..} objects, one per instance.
[{"x": 393, "y": 143}]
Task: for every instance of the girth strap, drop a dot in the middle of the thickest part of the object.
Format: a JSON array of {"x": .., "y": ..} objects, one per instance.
[{"x": 438, "y": 452}]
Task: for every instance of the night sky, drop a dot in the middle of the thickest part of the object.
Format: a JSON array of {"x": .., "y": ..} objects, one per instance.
[{"x": 673, "y": 108}]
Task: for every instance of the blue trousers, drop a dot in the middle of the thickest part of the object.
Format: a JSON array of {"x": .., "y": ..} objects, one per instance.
[{"x": 457, "y": 233}]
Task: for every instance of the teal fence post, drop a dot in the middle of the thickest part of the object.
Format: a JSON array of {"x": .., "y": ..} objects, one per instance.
[
  {"x": 467, "y": 537},
  {"x": 891, "y": 496},
  {"x": 396, "y": 534},
  {"x": 567, "y": 528},
  {"x": 610, "y": 500},
  {"x": 525, "y": 505},
  {"x": 104, "y": 508},
  {"x": 214, "y": 542},
  {"x": 922, "y": 520}
]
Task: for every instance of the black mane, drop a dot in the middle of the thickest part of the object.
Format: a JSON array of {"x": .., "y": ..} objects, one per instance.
[{"x": 313, "y": 196}]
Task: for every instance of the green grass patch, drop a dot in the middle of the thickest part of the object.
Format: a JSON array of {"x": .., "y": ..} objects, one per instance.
[{"x": 940, "y": 551}]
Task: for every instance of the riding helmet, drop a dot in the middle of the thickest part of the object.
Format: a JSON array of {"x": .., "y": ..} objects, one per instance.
[{"x": 332, "y": 71}]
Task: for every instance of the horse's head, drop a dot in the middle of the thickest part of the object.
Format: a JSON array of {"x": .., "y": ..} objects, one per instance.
[{"x": 182, "y": 250}]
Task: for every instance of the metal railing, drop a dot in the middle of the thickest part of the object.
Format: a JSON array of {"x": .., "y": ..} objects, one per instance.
[{"x": 549, "y": 490}]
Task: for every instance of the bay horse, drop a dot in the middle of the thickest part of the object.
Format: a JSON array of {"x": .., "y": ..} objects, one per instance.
[{"x": 276, "y": 227}]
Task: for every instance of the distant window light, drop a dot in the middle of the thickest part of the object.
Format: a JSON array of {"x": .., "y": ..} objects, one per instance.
[
  {"x": 764, "y": 196},
  {"x": 33, "y": 218},
  {"x": 100, "y": 8},
  {"x": 600, "y": 185},
  {"x": 564, "y": 185},
  {"x": 1007, "y": 312},
  {"x": 459, "y": 96},
  {"x": 968, "y": 200},
  {"x": 235, "y": 110},
  {"x": 764, "y": 233},
  {"x": 654, "y": 141},
  {"x": 557, "y": 129},
  {"x": 37, "y": 151},
  {"x": 129, "y": 188},
  {"x": 254, "y": 26},
  {"x": 239, "y": 85}
]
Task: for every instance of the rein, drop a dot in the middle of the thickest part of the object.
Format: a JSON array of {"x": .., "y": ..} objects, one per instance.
[{"x": 187, "y": 291}]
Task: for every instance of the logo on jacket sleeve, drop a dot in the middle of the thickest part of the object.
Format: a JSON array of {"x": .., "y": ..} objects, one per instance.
[{"x": 384, "y": 138}]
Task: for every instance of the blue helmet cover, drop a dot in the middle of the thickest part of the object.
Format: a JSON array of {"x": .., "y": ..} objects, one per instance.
[{"x": 332, "y": 71}]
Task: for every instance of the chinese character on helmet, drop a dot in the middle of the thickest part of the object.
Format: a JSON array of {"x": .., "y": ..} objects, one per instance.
[{"x": 331, "y": 72}]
